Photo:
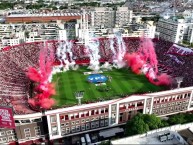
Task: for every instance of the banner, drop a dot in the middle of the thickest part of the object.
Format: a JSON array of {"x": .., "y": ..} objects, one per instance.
[
  {"x": 180, "y": 50},
  {"x": 6, "y": 117}
]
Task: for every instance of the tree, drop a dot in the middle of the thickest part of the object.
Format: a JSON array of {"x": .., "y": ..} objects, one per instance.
[
  {"x": 177, "y": 119},
  {"x": 136, "y": 125},
  {"x": 105, "y": 143},
  {"x": 6, "y": 5},
  {"x": 63, "y": 7},
  {"x": 164, "y": 123},
  {"x": 188, "y": 118},
  {"x": 40, "y": 1},
  {"x": 152, "y": 121}
]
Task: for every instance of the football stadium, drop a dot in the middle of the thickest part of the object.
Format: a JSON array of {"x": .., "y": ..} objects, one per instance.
[{"x": 74, "y": 88}]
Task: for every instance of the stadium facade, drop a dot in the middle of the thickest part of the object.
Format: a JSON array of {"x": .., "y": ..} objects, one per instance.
[
  {"x": 68, "y": 121},
  {"x": 74, "y": 120}
]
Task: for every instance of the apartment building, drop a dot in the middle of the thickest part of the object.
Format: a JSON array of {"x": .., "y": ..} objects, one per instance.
[
  {"x": 14, "y": 34},
  {"x": 123, "y": 16},
  {"x": 26, "y": 129},
  {"x": 175, "y": 30},
  {"x": 102, "y": 17}
]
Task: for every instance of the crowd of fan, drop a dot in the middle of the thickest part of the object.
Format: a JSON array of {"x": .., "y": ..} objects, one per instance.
[
  {"x": 184, "y": 70},
  {"x": 15, "y": 61},
  {"x": 13, "y": 81}
]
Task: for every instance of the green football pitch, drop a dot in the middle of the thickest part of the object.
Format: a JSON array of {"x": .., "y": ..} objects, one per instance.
[{"x": 124, "y": 82}]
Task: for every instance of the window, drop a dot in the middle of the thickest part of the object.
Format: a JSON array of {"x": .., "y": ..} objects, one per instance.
[
  {"x": 72, "y": 123},
  {"x": 54, "y": 130},
  {"x": 25, "y": 121},
  {"x": 66, "y": 117},
  {"x": 67, "y": 130},
  {"x": 106, "y": 122},
  {"x": 73, "y": 129},
  {"x": 61, "y": 117},
  {"x": 63, "y": 129},
  {"x": 37, "y": 120},
  {"x": 83, "y": 127},
  {"x": 17, "y": 121},
  {"x": 78, "y": 128},
  {"x": 2, "y": 133},
  {"x": 37, "y": 131},
  {"x": 11, "y": 138},
  {"x": 92, "y": 112},
  {"x": 102, "y": 117},
  {"x": 4, "y": 139},
  {"x": 77, "y": 122},
  {"x": 93, "y": 125},
  {"x": 63, "y": 132},
  {"x": 87, "y": 126},
  {"x": 53, "y": 119},
  {"x": 9, "y": 132},
  {"x": 67, "y": 123},
  {"x": 83, "y": 121},
  {"x": 113, "y": 108},
  {"x": 62, "y": 125},
  {"x": 102, "y": 123},
  {"x": 97, "y": 124},
  {"x": 27, "y": 132}
]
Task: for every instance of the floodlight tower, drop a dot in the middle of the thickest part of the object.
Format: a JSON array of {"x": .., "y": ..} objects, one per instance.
[
  {"x": 79, "y": 95},
  {"x": 179, "y": 81}
]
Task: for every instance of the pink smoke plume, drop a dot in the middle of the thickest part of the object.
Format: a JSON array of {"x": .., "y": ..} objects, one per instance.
[
  {"x": 33, "y": 74},
  {"x": 47, "y": 103},
  {"x": 147, "y": 51},
  {"x": 44, "y": 89},
  {"x": 145, "y": 61}
]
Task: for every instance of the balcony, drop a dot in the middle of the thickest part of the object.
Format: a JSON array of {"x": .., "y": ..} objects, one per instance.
[
  {"x": 139, "y": 104},
  {"x": 122, "y": 108},
  {"x": 132, "y": 106}
]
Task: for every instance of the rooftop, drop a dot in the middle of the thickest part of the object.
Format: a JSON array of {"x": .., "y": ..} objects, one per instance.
[
  {"x": 44, "y": 14},
  {"x": 151, "y": 139},
  {"x": 187, "y": 135}
]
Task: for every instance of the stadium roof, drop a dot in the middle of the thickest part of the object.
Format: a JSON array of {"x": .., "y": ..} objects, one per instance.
[
  {"x": 44, "y": 14},
  {"x": 44, "y": 17}
]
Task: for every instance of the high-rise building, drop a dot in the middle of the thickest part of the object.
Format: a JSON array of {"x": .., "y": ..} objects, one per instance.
[
  {"x": 123, "y": 16},
  {"x": 174, "y": 30},
  {"x": 103, "y": 17}
]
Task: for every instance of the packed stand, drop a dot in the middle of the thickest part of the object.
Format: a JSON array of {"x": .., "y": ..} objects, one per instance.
[{"x": 15, "y": 61}]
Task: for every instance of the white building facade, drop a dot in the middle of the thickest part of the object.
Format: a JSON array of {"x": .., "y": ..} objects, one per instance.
[
  {"x": 174, "y": 30},
  {"x": 90, "y": 117},
  {"x": 123, "y": 16},
  {"x": 102, "y": 17}
]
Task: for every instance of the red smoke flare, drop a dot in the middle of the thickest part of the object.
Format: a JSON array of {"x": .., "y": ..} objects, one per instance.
[
  {"x": 145, "y": 61},
  {"x": 44, "y": 89}
]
